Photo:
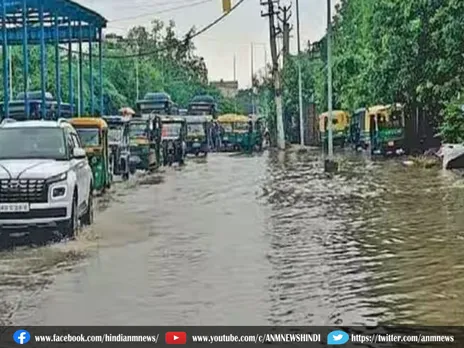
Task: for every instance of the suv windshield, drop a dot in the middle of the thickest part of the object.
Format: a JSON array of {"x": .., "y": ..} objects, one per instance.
[
  {"x": 24, "y": 143},
  {"x": 89, "y": 136}
]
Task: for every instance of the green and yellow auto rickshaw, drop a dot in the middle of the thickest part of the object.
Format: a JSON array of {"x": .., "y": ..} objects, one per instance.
[
  {"x": 380, "y": 128},
  {"x": 93, "y": 133},
  {"x": 198, "y": 134},
  {"x": 387, "y": 130},
  {"x": 173, "y": 134},
  {"x": 340, "y": 127},
  {"x": 235, "y": 132},
  {"x": 142, "y": 153}
]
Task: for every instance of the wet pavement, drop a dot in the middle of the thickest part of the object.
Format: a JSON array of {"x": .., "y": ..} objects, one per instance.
[{"x": 250, "y": 240}]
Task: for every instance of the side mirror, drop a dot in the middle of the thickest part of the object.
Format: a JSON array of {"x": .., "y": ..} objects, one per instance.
[{"x": 79, "y": 153}]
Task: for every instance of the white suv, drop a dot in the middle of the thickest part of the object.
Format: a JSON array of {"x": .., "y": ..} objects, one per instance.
[{"x": 45, "y": 180}]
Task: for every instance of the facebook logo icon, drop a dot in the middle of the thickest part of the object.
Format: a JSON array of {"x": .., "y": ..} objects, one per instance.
[{"x": 21, "y": 337}]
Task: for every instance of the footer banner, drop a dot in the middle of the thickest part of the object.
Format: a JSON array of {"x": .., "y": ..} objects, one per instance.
[{"x": 298, "y": 336}]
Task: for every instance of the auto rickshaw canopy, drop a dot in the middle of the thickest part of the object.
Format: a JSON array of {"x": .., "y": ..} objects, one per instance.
[
  {"x": 233, "y": 118},
  {"x": 377, "y": 109},
  {"x": 81, "y": 123},
  {"x": 89, "y": 122},
  {"x": 341, "y": 118}
]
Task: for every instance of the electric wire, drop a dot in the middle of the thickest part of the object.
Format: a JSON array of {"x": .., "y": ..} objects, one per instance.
[
  {"x": 161, "y": 11},
  {"x": 186, "y": 40}
]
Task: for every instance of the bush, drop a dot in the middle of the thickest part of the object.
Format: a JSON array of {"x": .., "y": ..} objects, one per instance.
[{"x": 452, "y": 127}]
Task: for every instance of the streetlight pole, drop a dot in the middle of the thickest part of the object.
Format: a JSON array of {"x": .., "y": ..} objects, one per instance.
[
  {"x": 300, "y": 82},
  {"x": 330, "y": 165}
]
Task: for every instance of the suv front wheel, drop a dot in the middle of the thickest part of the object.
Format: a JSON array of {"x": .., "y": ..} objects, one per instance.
[
  {"x": 87, "y": 218},
  {"x": 71, "y": 226}
]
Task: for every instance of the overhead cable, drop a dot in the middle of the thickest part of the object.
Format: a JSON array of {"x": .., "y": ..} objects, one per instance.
[{"x": 186, "y": 40}]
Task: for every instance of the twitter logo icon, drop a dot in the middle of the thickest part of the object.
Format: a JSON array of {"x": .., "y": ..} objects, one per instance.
[{"x": 337, "y": 337}]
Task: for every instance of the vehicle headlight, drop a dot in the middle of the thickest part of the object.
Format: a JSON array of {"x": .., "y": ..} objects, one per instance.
[
  {"x": 94, "y": 160},
  {"x": 57, "y": 178}
]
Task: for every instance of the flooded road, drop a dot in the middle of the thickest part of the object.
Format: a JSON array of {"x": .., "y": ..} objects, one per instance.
[{"x": 268, "y": 239}]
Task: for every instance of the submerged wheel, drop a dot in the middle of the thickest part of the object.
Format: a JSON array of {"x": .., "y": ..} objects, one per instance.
[
  {"x": 72, "y": 225},
  {"x": 87, "y": 218}
]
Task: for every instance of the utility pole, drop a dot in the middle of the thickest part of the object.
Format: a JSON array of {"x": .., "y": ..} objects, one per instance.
[
  {"x": 137, "y": 82},
  {"x": 235, "y": 68},
  {"x": 273, "y": 32},
  {"x": 252, "y": 72},
  {"x": 329, "y": 165},
  {"x": 300, "y": 82},
  {"x": 286, "y": 28},
  {"x": 11, "y": 72}
]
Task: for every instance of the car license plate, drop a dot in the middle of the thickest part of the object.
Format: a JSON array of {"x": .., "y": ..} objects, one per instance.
[
  {"x": 225, "y": 138},
  {"x": 14, "y": 207},
  {"x": 196, "y": 144},
  {"x": 391, "y": 143}
]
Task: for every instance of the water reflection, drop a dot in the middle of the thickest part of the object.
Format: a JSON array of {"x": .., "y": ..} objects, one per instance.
[{"x": 377, "y": 243}]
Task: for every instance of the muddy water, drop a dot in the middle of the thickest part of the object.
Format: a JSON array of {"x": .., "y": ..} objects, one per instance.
[{"x": 267, "y": 239}]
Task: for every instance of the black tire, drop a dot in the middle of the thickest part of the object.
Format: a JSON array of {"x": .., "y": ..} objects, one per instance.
[
  {"x": 71, "y": 227},
  {"x": 125, "y": 176},
  {"x": 110, "y": 180},
  {"x": 87, "y": 218}
]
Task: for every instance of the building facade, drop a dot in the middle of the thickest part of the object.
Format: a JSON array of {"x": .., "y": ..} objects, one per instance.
[{"x": 228, "y": 89}]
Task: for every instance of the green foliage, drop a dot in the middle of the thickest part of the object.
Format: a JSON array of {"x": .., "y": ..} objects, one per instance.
[
  {"x": 452, "y": 128},
  {"x": 384, "y": 51}
]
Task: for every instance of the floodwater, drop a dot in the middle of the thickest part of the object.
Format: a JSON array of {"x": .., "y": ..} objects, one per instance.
[{"x": 250, "y": 240}]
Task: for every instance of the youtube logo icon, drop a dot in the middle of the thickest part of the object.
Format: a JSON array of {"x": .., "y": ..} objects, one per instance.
[{"x": 176, "y": 338}]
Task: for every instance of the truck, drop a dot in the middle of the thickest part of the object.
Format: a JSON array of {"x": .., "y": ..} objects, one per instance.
[
  {"x": 203, "y": 105},
  {"x": 17, "y": 107},
  {"x": 159, "y": 103}
]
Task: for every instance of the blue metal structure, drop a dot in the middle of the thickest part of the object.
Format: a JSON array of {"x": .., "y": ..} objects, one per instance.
[{"x": 41, "y": 22}]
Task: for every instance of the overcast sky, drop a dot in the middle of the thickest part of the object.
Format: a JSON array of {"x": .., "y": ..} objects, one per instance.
[{"x": 232, "y": 36}]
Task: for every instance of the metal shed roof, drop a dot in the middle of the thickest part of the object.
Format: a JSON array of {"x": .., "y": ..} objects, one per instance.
[{"x": 61, "y": 12}]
